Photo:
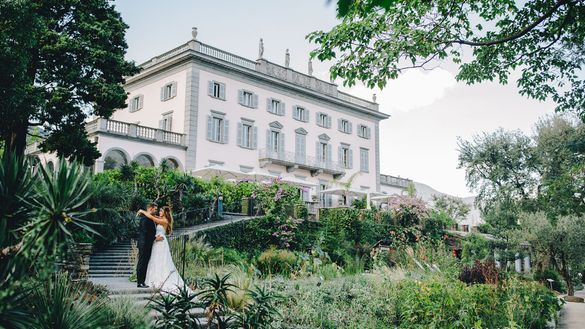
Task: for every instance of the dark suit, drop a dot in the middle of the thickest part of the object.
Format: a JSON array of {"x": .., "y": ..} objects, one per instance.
[{"x": 146, "y": 235}]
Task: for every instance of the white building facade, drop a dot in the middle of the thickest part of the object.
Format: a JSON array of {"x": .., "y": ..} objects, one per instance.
[{"x": 197, "y": 106}]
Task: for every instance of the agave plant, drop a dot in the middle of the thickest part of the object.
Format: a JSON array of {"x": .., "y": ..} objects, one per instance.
[
  {"x": 214, "y": 299},
  {"x": 174, "y": 310},
  {"x": 60, "y": 304},
  {"x": 59, "y": 208},
  {"x": 261, "y": 312}
]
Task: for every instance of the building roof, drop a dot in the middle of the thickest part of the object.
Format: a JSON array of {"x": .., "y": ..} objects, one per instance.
[{"x": 262, "y": 69}]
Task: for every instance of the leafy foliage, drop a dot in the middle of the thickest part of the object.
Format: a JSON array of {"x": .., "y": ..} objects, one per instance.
[
  {"x": 175, "y": 309},
  {"x": 377, "y": 40},
  {"x": 66, "y": 63}
]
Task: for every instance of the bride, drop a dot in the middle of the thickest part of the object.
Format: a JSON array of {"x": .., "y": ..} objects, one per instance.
[{"x": 161, "y": 272}]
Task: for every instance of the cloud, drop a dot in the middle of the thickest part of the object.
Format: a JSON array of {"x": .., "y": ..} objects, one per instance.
[{"x": 412, "y": 90}]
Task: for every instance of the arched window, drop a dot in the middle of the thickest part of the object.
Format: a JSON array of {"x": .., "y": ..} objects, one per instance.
[
  {"x": 114, "y": 159},
  {"x": 144, "y": 160},
  {"x": 171, "y": 163}
]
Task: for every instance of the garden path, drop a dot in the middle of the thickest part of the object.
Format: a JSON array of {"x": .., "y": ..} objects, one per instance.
[{"x": 573, "y": 314}]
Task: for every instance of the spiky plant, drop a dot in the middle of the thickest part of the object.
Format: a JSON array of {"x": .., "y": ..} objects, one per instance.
[
  {"x": 58, "y": 303},
  {"x": 59, "y": 208},
  {"x": 261, "y": 312},
  {"x": 174, "y": 309},
  {"x": 214, "y": 299}
]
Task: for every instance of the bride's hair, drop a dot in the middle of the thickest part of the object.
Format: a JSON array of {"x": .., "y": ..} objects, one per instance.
[{"x": 169, "y": 216}]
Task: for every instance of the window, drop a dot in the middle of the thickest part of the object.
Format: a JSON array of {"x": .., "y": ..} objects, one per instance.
[
  {"x": 167, "y": 122},
  {"x": 345, "y": 156},
  {"x": 364, "y": 160},
  {"x": 275, "y": 143},
  {"x": 300, "y": 147},
  {"x": 323, "y": 120},
  {"x": 136, "y": 103},
  {"x": 344, "y": 126},
  {"x": 247, "y": 98},
  {"x": 364, "y": 131},
  {"x": 275, "y": 106},
  {"x": 323, "y": 151},
  {"x": 114, "y": 159},
  {"x": 247, "y": 134},
  {"x": 168, "y": 91},
  {"x": 301, "y": 114},
  {"x": 217, "y": 128},
  {"x": 216, "y": 90},
  {"x": 144, "y": 160}
]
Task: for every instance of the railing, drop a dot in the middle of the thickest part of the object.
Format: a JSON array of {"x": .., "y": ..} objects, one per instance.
[
  {"x": 394, "y": 181},
  {"x": 357, "y": 101},
  {"x": 226, "y": 56},
  {"x": 310, "y": 163},
  {"x": 166, "y": 55},
  {"x": 135, "y": 131}
]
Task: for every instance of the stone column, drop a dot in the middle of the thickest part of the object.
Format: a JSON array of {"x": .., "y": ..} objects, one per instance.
[
  {"x": 518, "y": 263},
  {"x": 527, "y": 264}
]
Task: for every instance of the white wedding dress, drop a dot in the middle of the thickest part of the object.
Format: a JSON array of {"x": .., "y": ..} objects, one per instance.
[{"x": 161, "y": 272}]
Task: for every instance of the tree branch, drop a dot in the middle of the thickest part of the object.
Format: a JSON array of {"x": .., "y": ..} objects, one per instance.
[{"x": 517, "y": 35}]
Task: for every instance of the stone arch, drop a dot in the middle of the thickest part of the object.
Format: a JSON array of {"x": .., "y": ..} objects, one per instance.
[
  {"x": 145, "y": 159},
  {"x": 115, "y": 157},
  {"x": 174, "y": 162}
]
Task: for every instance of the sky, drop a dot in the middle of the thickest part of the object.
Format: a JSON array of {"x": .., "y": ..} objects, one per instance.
[{"x": 429, "y": 110}]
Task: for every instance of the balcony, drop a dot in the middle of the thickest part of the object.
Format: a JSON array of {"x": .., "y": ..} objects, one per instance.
[
  {"x": 135, "y": 131},
  {"x": 293, "y": 161},
  {"x": 394, "y": 181}
]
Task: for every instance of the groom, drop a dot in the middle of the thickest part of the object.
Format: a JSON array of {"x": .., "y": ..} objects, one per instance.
[{"x": 146, "y": 237}]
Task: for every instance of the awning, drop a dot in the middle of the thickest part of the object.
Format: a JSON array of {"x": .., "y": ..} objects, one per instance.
[{"x": 218, "y": 171}]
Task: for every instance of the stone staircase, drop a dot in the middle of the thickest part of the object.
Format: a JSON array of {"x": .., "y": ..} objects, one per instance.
[{"x": 112, "y": 268}]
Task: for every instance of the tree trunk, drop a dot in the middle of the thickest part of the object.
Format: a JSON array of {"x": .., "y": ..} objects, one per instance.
[
  {"x": 567, "y": 277},
  {"x": 15, "y": 141}
]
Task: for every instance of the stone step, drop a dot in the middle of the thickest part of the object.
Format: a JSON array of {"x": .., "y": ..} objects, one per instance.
[
  {"x": 111, "y": 266},
  {"x": 108, "y": 275},
  {"x": 109, "y": 257},
  {"x": 111, "y": 263},
  {"x": 115, "y": 252},
  {"x": 118, "y": 271}
]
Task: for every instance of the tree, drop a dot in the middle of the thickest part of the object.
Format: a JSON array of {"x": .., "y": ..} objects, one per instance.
[
  {"x": 61, "y": 62},
  {"x": 562, "y": 242},
  {"x": 453, "y": 207},
  {"x": 377, "y": 40},
  {"x": 515, "y": 173}
]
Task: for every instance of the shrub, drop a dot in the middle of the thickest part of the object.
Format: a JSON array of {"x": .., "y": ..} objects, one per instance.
[
  {"x": 277, "y": 261},
  {"x": 558, "y": 283},
  {"x": 479, "y": 272},
  {"x": 125, "y": 314}
]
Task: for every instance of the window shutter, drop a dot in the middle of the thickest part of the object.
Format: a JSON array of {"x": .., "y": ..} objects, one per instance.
[
  {"x": 328, "y": 121},
  {"x": 306, "y": 115},
  {"x": 367, "y": 160},
  {"x": 282, "y": 108},
  {"x": 359, "y": 131},
  {"x": 140, "y": 102},
  {"x": 161, "y": 124},
  {"x": 350, "y": 160},
  {"x": 317, "y": 118},
  {"x": 349, "y": 127},
  {"x": 241, "y": 97},
  {"x": 174, "y": 89},
  {"x": 162, "y": 93},
  {"x": 210, "y": 88},
  {"x": 269, "y": 105},
  {"x": 281, "y": 145},
  {"x": 295, "y": 112},
  {"x": 254, "y": 137},
  {"x": 340, "y": 155},
  {"x": 255, "y": 101},
  {"x": 339, "y": 127},
  {"x": 222, "y": 91},
  {"x": 369, "y": 132},
  {"x": 209, "y": 128},
  {"x": 169, "y": 126},
  {"x": 317, "y": 151},
  {"x": 329, "y": 151},
  {"x": 240, "y": 134},
  {"x": 225, "y": 131},
  {"x": 131, "y": 105},
  {"x": 268, "y": 142}
]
